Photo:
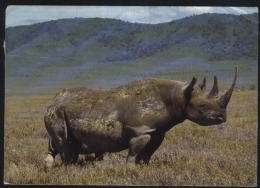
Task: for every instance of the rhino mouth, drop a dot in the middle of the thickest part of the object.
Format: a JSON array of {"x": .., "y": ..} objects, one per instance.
[{"x": 212, "y": 121}]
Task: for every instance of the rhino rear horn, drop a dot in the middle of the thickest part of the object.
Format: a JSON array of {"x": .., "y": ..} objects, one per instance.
[
  {"x": 224, "y": 99},
  {"x": 214, "y": 90}
]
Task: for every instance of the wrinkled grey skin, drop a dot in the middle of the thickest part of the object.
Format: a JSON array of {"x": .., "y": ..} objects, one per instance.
[{"x": 134, "y": 117}]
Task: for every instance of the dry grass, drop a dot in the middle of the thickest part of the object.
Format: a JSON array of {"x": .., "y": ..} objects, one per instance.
[{"x": 223, "y": 155}]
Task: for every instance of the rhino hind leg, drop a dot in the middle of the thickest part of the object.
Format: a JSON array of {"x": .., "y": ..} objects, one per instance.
[
  {"x": 52, "y": 152},
  {"x": 56, "y": 127},
  {"x": 136, "y": 145}
]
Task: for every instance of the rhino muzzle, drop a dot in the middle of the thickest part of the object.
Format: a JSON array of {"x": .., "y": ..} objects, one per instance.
[
  {"x": 224, "y": 99},
  {"x": 213, "y": 120}
]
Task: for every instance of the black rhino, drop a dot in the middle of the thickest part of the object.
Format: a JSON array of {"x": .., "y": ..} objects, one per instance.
[{"x": 134, "y": 117}]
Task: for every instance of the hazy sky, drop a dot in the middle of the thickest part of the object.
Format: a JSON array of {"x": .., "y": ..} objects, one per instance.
[{"x": 25, "y": 15}]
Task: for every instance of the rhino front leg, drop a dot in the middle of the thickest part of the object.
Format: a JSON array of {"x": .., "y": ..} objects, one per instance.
[
  {"x": 151, "y": 147},
  {"x": 136, "y": 145}
]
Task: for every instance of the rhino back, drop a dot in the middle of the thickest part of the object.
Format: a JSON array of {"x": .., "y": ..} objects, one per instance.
[{"x": 133, "y": 104}]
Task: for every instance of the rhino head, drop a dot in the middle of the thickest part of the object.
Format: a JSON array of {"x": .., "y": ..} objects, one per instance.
[{"x": 206, "y": 109}]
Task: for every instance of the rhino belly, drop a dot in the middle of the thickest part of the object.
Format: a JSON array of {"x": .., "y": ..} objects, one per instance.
[{"x": 103, "y": 135}]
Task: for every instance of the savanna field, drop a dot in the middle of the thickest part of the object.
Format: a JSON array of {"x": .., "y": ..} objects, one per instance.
[{"x": 222, "y": 155}]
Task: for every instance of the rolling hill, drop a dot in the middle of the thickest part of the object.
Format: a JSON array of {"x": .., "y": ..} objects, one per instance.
[{"x": 97, "y": 52}]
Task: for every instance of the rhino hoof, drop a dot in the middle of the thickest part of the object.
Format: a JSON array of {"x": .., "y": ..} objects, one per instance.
[{"x": 49, "y": 162}]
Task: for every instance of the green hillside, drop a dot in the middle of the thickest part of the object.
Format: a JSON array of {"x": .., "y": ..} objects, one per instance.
[{"x": 45, "y": 57}]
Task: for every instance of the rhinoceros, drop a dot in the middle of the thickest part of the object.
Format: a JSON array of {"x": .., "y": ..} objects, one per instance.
[{"x": 135, "y": 116}]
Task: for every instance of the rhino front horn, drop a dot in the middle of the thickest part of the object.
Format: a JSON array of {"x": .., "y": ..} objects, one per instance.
[{"x": 226, "y": 97}]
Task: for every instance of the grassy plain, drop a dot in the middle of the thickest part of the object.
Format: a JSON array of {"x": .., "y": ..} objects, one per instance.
[{"x": 223, "y": 155}]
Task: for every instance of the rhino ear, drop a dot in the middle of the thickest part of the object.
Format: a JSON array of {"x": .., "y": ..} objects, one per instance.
[
  {"x": 203, "y": 85},
  {"x": 187, "y": 89}
]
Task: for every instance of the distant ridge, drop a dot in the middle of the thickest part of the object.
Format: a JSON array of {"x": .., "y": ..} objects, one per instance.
[
  {"x": 73, "y": 45},
  {"x": 234, "y": 34}
]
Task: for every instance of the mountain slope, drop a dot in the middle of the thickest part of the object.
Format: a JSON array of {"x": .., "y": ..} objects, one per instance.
[
  {"x": 211, "y": 31},
  {"x": 80, "y": 51}
]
